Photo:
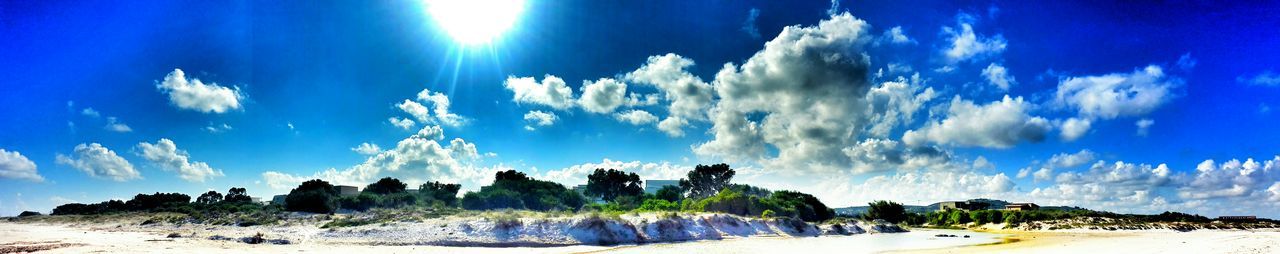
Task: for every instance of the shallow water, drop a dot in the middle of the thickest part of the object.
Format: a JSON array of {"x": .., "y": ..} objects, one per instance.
[{"x": 865, "y": 243}]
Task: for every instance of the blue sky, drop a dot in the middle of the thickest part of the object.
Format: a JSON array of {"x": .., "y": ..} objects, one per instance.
[{"x": 1132, "y": 107}]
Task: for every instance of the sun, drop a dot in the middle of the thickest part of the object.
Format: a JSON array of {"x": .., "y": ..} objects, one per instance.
[{"x": 472, "y": 22}]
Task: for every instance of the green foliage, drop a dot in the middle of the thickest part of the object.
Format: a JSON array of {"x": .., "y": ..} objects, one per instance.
[
  {"x": 705, "y": 181},
  {"x": 209, "y": 198},
  {"x": 749, "y": 190},
  {"x": 28, "y": 214},
  {"x": 144, "y": 202},
  {"x": 386, "y": 185},
  {"x": 670, "y": 193},
  {"x": 806, "y": 206},
  {"x": 446, "y": 193},
  {"x": 658, "y": 205},
  {"x": 886, "y": 210},
  {"x": 732, "y": 202},
  {"x": 768, "y": 214},
  {"x": 515, "y": 190},
  {"x": 611, "y": 184},
  {"x": 236, "y": 194},
  {"x": 314, "y": 196}
]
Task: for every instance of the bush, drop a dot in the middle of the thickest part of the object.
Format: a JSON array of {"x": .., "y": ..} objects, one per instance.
[
  {"x": 670, "y": 193},
  {"x": 658, "y": 205},
  {"x": 886, "y": 210},
  {"x": 515, "y": 190},
  {"x": 314, "y": 196},
  {"x": 384, "y": 186},
  {"x": 236, "y": 194},
  {"x": 807, "y": 207},
  {"x": 732, "y": 202},
  {"x": 442, "y": 192},
  {"x": 28, "y": 214},
  {"x": 768, "y": 214}
]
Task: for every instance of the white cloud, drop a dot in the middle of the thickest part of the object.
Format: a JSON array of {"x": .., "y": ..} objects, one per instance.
[
  {"x": 415, "y": 160},
  {"x": 807, "y": 86},
  {"x": 1043, "y": 174},
  {"x": 1117, "y": 94},
  {"x": 749, "y": 26},
  {"x": 1066, "y": 160},
  {"x": 217, "y": 128},
  {"x": 166, "y": 155},
  {"x": 402, "y": 123},
  {"x": 1074, "y": 128},
  {"x": 195, "y": 95},
  {"x": 894, "y": 103},
  {"x": 688, "y": 95},
  {"x": 998, "y": 76},
  {"x": 115, "y": 125},
  {"x": 603, "y": 95},
  {"x": 90, "y": 113},
  {"x": 367, "y": 149},
  {"x": 440, "y": 107},
  {"x": 538, "y": 118},
  {"x": 895, "y": 35},
  {"x": 1143, "y": 126},
  {"x": 876, "y": 155},
  {"x": 552, "y": 92},
  {"x": 1000, "y": 124},
  {"x": 1186, "y": 62},
  {"x": 636, "y": 117},
  {"x": 417, "y": 110},
  {"x": 1265, "y": 78},
  {"x": 577, "y": 174},
  {"x": 967, "y": 45},
  {"x": 15, "y": 166},
  {"x": 673, "y": 126},
  {"x": 99, "y": 162}
]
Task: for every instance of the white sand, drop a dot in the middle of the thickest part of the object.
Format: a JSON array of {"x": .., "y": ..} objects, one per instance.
[{"x": 1129, "y": 242}]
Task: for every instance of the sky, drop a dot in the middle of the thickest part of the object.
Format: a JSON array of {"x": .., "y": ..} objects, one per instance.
[{"x": 1125, "y": 106}]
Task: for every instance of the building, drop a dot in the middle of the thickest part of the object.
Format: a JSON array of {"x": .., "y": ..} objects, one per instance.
[
  {"x": 1237, "y": 218},
  {"x": 582, "y": 189},
  {"x": 1021, "y": 206},
  {"x": 652, "y": 186},
  {"x": 278, "y": 199},
  {"x": 347, "y": 191},
  {"x": 961, "y": 205}
]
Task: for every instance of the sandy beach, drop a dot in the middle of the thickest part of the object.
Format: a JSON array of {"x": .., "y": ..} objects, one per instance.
[{"x": 1141, "y": 241}]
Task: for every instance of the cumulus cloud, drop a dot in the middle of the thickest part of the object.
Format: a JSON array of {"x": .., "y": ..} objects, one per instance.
[
  {"x": 673, "y": 126},
  {"x": 402, "y": 123},
  {"x": 1071, "y": 160},
  {"x": 115, "y": 125},
  {"x": 1117, "y": 94},
  {"x": 97, "y": 161},
  {"x": 439, "y": 112},
  {"x": 1143, "y": 125},
  {"x": 1265, "y": 78},
  {"x": 998, "y": 76},
  {"x": 688, "y": 96},
  {"x": 808, "y": 85},
  {"x": 603, "y": 95},
  {"x": 964, "y": 44},
  {"x": 192, "y": 94},
  {"x": 89, "y": 112},
  {"x": 367, "y": 149},
  {"x": 538, "y": 118},
  {"x": 166, "y": 155},
  {"x": 15, "y": 166},
  {"x": 894, "y": 103},
  {"x": 1000, "y": 124},
  {"x": 415, "y": 160},
  {"x": 895, "y": 35},
  {"x": 1074, "y": 128},
  {"x": 577, "y": 174},
  {"x": 636, "y": 117},
  {"x": 551, "y": 92},
  {"x": 875, "y": 155}
]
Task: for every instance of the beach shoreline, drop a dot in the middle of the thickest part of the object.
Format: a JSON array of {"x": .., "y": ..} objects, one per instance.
[{"x": 1131, "y": 241}]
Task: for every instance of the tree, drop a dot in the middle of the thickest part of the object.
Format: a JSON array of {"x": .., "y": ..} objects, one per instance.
[
  {"x": 210, "y": 197},
  {"x": 886, "y": 210},
  {"x": 807, "y": 207},
  {"x": 384, "y": 186},
  {"x": 444, "y": 192},
  {"x": 611, "y": 184},
  {"x": 705, "y": 181},
  {"x": 237, "y": 194},
  {"x": 670, "y": 193},
  {"x": 748, "y": 190},
  {"x": 316, "y": 196},
  {"x": 515, "y": 190}
]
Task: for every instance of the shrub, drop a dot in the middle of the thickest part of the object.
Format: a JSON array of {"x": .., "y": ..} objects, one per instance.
[
  {"x": 236, "y": 194},
  {"x": 670, "y": 193},
  {"x": 314, "y": 196},
  {"x": 386, "y": 185},
  {"x": 436, "y": 191},
  {"x": 28, "y": 214},
  {"x": 886, "y": 210},
  {"x": 768, "y": 214},
  {"x": 807, "y": 207},
  {"x": 658, "y": 205},
  {"x": 515, "y": 190}
]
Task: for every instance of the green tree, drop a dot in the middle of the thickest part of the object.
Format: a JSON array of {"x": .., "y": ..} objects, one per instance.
[
  {"x": 515, "y": 190},
  {"x": 210, "y": 197},
  {"x": 611, "y": 184},
  {"x": 886, "y": 210},
  {"x": 386, "y": 185},
  {"x": 705, "y": 181},
  {"x": 316, "y": 196},
  {"x": 670, "y": 193},
  {"x": 236, "y": 194},
  {"x": 444, "y": 192},
  {"x": 806, "y": 206}
]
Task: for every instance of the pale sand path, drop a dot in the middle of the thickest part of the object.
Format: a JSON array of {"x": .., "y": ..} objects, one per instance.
[
  {"x": 1129, "y": 242},
  {"x": 97, "y": 241}
]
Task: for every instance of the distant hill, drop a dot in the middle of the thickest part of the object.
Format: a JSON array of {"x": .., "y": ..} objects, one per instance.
[{"x": 991, "y": 204}]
